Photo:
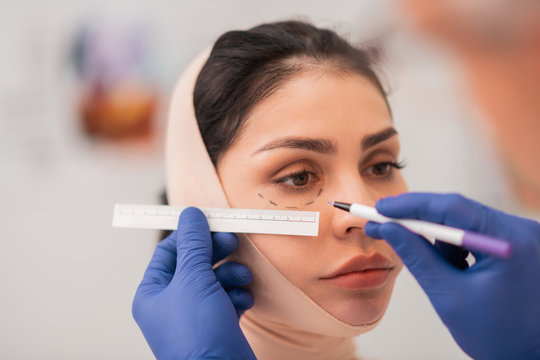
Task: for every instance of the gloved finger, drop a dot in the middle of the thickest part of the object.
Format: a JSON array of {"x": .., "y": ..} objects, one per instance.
[
  {"x": 457, "y": 211},
  {"x": 194, "y": 250},
  {"x": 162, "y": 266},
  {"x": 449, "y": 209},
  {"x": 241, "y": 299},
  {"x": 424, "y": 261},
  {"x": 372, "y": 230},
  {"x": 224, "y": 245},
  {"x": 232, "y": 275},
  {"x": 455, "y": 255}
]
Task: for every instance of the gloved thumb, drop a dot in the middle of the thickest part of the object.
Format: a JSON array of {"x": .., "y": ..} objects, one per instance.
[
  {"x": 194, "y": 247},
  {"x": 424, "y": 261}
]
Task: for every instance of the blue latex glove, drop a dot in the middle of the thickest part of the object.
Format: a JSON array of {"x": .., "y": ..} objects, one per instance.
[
  {"x": 492, "y": 309},
  {"x": 185, "y": 309}
]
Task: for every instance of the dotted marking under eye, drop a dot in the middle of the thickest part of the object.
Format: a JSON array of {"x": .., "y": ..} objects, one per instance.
[
  {"x": 293, "y": 207},
  {"x": 270, "y": 201}
]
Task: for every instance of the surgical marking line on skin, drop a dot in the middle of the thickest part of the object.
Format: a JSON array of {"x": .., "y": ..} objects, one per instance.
[
  {"x": 316, "y": 196},
  {"x": 270, "y": 201},
  {"x": 293, "y": 207}
]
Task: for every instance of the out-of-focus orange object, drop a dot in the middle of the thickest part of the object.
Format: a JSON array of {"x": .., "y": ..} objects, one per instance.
[
  {"x": 115, "y": 65},
  {"x": 498, "y": 42},
  {"x": 122, "y": 112}
]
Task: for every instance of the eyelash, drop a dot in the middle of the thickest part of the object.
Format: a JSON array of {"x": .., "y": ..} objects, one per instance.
[{"x": 305, "y": 172}]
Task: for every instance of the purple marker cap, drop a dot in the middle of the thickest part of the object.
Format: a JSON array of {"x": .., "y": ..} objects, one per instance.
[{"x": 487, "y": 244}]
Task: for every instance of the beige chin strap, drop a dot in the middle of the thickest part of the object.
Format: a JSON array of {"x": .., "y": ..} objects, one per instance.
[{"x": 284, "y": 322}]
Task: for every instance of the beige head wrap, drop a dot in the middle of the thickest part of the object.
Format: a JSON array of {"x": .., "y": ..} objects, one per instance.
[{"x": 284, "y": 322}]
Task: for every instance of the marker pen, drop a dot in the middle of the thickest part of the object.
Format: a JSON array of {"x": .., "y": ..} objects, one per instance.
[{"x": 467, "y": 239}]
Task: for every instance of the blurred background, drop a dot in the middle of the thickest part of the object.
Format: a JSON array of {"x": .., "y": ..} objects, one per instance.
[{"x": 84, "y": 91}]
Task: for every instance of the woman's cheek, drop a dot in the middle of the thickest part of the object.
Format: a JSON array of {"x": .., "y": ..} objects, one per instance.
[{"x": 290, "y": 255}]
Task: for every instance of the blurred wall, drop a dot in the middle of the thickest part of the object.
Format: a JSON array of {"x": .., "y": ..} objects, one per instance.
[{"x": 68, "y": 278}]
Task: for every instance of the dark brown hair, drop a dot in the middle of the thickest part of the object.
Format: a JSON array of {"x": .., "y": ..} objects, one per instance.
[{"x": 245, "y": 67}]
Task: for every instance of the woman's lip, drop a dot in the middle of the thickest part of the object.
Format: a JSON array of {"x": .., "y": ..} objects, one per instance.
[
  {"x": 361, "y": 280},
  {"x": 361, "y": 264}
]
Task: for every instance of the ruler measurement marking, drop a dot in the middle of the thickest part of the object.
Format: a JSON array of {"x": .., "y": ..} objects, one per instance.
[
  {"x": 262, "y": 221},
  {"x": 229, "y": 216}
]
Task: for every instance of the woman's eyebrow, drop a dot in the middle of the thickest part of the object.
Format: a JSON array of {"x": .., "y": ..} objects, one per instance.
[
  {"x": 373, "y": 139},
  {"x": 324, "y": 145},
  {"x": 320, "y": 145}
]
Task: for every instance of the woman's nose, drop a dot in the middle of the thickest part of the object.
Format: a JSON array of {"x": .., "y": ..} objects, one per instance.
[{"x": 343, "y": 223}]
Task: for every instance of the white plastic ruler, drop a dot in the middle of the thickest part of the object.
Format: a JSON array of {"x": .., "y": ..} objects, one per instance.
[{"x": 255, "y": 221}]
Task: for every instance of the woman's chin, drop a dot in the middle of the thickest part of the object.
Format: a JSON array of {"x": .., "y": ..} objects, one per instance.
[
  {"x": 358, "y": 315},
  {"x": 360, "y": 308}
]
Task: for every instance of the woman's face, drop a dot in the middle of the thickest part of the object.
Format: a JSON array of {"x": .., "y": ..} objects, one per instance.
[{"x": 322, "y": 137}]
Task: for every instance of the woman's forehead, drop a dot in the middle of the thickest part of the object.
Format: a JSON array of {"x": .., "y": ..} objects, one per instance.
[{"x": 319, "y": 105}]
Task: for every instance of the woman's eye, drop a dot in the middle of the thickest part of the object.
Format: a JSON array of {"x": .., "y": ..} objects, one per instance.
[
  {"x": 299, "y": 179},
  {"x": 383, "y": 168}
]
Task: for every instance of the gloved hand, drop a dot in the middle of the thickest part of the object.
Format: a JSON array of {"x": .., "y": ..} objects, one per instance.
[
  {"x": 492, "y": 309},
  {"x": 185, "y": 309}
]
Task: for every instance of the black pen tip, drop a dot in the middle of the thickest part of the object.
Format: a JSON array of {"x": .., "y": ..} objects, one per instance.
[{"x": 341, "y": 205}]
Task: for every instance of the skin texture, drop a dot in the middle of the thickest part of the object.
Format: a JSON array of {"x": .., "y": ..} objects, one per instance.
[{"x": 342, "y": 108}]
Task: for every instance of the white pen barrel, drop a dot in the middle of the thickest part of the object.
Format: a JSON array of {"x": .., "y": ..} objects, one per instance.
[
  {"x": 368, "y": 212},
  {"x": 436, "y": 231},
  {"x": 424, "y": 228}
]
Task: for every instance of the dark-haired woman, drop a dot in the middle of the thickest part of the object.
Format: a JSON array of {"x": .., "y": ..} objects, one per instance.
[{"x": 282, "y": 116}]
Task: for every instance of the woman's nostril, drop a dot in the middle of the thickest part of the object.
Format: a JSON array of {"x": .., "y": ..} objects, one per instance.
[{"x": 349, "y": 229}]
